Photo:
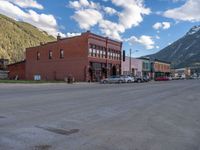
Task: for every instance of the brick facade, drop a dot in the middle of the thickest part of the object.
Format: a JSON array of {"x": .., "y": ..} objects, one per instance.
[
  {"x": 87, "y": 57},
  {"x": 17, "y": 70},
  {"x": 161, "y": 68}
]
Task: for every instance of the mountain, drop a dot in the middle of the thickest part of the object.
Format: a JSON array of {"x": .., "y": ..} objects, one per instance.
[
  {"x": 15, "y": 36},
  {"x": 184, "y": 52}
]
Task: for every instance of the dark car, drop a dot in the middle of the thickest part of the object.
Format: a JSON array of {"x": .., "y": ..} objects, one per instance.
[
  {"x": 139, "y": 79},
  {"x": 162, "y": 79},
  {"x": 146, "y": 79}
]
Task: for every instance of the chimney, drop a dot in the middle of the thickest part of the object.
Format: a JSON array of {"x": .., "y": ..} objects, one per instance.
[{"x": 58, "y": 37}]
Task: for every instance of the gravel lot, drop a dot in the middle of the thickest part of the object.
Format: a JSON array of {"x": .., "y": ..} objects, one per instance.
[{"x": 146, "y": 116}]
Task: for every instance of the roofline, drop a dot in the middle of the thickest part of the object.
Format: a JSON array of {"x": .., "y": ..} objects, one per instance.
[
  {"x": 23, "y": 61},
  {"x": 4, "y": 59},
  {"x": 154, "y": 60},
  {"x": 43, "y": 44},
  {"x": 87, "y": 32},
  {"x": 144, "y": 58},
  {"x": 104, "y": 37},
  {"x": 163, "y": 61}
]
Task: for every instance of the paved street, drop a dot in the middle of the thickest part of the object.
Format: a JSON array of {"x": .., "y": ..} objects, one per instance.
[{"x": 146, "y": 116}]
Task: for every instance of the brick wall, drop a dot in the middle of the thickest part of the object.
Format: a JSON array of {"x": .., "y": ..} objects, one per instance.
[
  {"x": 76, "y": 58},
  {"x": 73, "y": 63},
  {"x": 17, "y": 69}
]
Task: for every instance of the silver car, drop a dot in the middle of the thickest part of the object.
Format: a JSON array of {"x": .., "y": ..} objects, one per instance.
[
  {"x": 113, "y": 79},
  {"x": 128, "y": 79}
]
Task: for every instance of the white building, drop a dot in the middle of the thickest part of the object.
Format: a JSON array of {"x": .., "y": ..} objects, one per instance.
[{"x": 136, "y": 66}]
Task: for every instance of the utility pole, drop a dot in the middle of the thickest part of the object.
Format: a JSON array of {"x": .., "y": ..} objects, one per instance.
[
  {"x": 107, "y": 57},
  {"x": 130, "y": 63}
]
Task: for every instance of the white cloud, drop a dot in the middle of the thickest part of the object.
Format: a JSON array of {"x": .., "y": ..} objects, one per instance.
[
  {"x": 72, "y": 34},
  {"x": 187, "y": 12},
  {"x": 166, "y": 25},
  {"x": 157, "y": 37},
  {"x": 132, "y": 13},
  {"x": 11, "y": 10},
  {"x": 144, "y": 40},
  {"x": 88, "y": 14},
  {"x": 87, "y": 18},
  {"x": 83, "y": 4},
  {"x": 111, "y": 29},
  {"x": 175, "y": 1},
  {"x": 157, "y": 25},
  {"x": 110, "y": 11},
  {"x": 161, "y": 25},
  {"x": 27, "y": 3},
  {"x": 45, "y": 22},
  {"x": 62, "y": 34}
]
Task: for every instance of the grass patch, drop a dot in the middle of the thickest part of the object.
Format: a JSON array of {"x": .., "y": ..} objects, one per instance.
[{"x": 28, "y": 81}]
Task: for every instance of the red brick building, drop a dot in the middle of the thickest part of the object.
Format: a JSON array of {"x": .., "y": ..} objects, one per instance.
[
  {"x": 161, "y": 68},
  {"x": 87, "y": 57},
  {"x": 17, "y": 70}
]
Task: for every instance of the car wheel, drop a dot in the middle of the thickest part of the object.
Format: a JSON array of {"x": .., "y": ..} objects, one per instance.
[
  {"x": 104, "y": 82},
  {"x": 129, "y": 81},
  {"x": 120, "y": 81}
]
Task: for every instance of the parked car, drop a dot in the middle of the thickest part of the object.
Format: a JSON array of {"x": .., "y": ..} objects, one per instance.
[
  {"x": 128, "y": 79},
  {"x": 139, "y": 79},
  {"x": 193, "y": 77},
  {"x": 175, "y": 78},
  {"x": 170, "y": 78},
  {"x": 113, "y": 79},
  {"x": 162, "y": 79},
  {"x": 146, "y": 79}
]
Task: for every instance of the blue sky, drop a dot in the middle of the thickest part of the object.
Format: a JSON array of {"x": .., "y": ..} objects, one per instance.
[{"x": 143, "y": 25}]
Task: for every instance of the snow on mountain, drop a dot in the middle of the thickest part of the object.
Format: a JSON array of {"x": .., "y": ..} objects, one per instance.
[
  {"x": 184, "y": 52},
  {"x": 194, "y": 30}
]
